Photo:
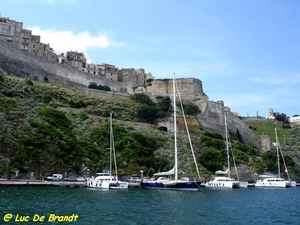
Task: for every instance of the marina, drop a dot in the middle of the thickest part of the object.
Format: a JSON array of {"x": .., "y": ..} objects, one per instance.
[
  {"x": 41, "y": 183},
  {"x": 152, "y": 207}
]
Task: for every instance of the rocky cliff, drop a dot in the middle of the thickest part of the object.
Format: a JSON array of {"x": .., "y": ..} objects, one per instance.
[
  {"x": 23, "y": 64},
  {"x": 212, "y": 117}
]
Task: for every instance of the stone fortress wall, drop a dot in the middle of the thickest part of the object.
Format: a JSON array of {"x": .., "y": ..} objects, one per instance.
[{"x": 23, "y": 64}]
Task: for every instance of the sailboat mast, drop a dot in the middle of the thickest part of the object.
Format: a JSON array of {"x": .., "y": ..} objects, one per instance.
[
  {"x": 227, "y": 146},
  {"x": 277, "y": 149},
  {"x": 175, "y": 129},
  {"x": 114, "y": 152},
  {"x": 110, "y": 145}
]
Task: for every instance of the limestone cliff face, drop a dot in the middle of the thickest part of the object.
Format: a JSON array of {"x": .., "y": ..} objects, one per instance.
[
  {"x": 190, "y": 89},
  {"x": 212, "y": 117}
]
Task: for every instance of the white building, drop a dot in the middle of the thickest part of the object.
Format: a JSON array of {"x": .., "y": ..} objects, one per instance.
[{"x": 294, "y": 120}]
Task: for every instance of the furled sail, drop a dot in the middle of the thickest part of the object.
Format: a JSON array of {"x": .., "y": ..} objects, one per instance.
[
  {"x": 222, "y": 172},
  {"x": 170, "y": 172}
]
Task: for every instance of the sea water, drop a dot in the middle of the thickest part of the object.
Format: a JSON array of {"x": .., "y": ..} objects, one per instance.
[{"x": 80, "y": 206}]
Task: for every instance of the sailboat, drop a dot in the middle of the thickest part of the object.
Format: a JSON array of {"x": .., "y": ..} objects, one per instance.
[
  {"x": 164, "y": 180},
  {"x": 278, "y": 181},
  {"x": 106, "y": 180},
  {"x": 226, "y": 181}
]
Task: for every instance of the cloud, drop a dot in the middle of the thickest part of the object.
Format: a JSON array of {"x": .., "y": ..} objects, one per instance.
[
  {"x": 269, "y": 80},
  {"x": 66, "y": 40},
  {"x": 277, "y": 78}
]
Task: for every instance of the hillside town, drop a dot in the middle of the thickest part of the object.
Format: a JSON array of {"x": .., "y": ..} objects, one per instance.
[{"x": 12, "y": 32}]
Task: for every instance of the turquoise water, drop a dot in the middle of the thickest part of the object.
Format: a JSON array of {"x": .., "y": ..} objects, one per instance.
[{"x": 23, "y": 205}]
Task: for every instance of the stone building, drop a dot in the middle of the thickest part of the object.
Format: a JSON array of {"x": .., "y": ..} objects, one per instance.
[
  {"x": 42, "y": 50},
  {"x": 12, "y": 32},
  {"x": 111, "y": 72},
  {"x": 73, "y": 59},
  {"x": 95, "y": 69},
  {"x": 294, "y": 120},
  {"x": 137, "y": 77}
]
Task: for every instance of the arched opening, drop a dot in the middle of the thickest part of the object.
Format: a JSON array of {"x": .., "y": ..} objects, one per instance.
[{"x": 163, "y": 128}]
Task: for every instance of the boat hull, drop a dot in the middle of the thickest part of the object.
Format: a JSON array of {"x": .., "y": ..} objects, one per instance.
[
  {"x": 292, "y": 184},
  {"x": 275, "y": 183},
  {"x": 173, "y": 185},
  {"x": 229, "y": 184},
  {"x": 119, "y": 185},
  {"x": 107, "y": 185},
  {"x": 133, "y": 184},
  {"x": 225, "y": 182},
  {"x": 243, "y": 184}
]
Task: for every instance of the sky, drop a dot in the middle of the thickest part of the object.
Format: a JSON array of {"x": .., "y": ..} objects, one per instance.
[{"x": 246, "y": 53}]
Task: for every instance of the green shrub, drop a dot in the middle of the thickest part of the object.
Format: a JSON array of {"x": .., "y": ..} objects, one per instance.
[
  {"x": 82, "y": 115},
  {"x": 1, "y": 78},
  {"x": 29, "y": 82}
]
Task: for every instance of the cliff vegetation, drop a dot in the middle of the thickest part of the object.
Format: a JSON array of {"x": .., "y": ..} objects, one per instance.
[{"x": 52, "y": 129}]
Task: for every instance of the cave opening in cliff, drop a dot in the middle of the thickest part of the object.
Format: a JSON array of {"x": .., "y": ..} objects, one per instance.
[{"x": 163, "y": 129}]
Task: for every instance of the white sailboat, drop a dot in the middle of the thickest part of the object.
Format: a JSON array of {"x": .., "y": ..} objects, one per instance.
[
  {"x": 164, "y": 181},
  {"x": 106, "y": 180},
  {"x": 278, "y": 181},
  {"x": 226, "y": 181}
]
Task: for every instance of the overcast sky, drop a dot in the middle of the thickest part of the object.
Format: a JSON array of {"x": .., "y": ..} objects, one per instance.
[{"x": 245, "y": 52}]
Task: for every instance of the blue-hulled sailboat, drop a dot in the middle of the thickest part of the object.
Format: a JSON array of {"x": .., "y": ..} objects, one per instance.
[{"x": 164, "y": 180}]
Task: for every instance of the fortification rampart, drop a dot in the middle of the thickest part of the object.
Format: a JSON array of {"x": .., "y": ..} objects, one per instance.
[
  {"x": 23, "y": 64},
  {"x": 213, "y": 120},
  {"x": 187, "y": 87},
  {"x": 190, "y": 89}
]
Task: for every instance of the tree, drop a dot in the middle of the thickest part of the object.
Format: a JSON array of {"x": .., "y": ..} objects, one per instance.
[
  {"x": 142, "y": 98},
  {"x": 164, "y": 106},
  {"x": 93, "y": 85},
  {"x": 269, "y": 160},
  {"x": 147, "y": 113},
  {"x": 190, "y": 108},
  {"x": 212, "y": 159},
  {"x": 56, "y": 118},
  {"x": 281, "y": 117}
]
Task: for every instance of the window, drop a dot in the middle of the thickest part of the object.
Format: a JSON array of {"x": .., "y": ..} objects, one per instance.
[
  {"x": 25, "y": 35},
  {"x": 5, "y": 29}
]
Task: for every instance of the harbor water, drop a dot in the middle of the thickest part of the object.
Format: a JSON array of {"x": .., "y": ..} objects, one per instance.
[{"x": 80, "y": 206}]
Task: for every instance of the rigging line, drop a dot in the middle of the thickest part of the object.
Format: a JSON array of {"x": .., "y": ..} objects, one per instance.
[
  {"x": 110, "y": 145},
  {"x": 175, "y": 129},
  {"x": 277, "y": 150},
  {"x": 227, "y": 148},
  {"x": 114, "y": 154},
  {"x": 237, "y": 174},
  {"x": 285, "y": 167},
  {"x": 187, "y": 130},
  {"x": 233, "y": 159}
]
